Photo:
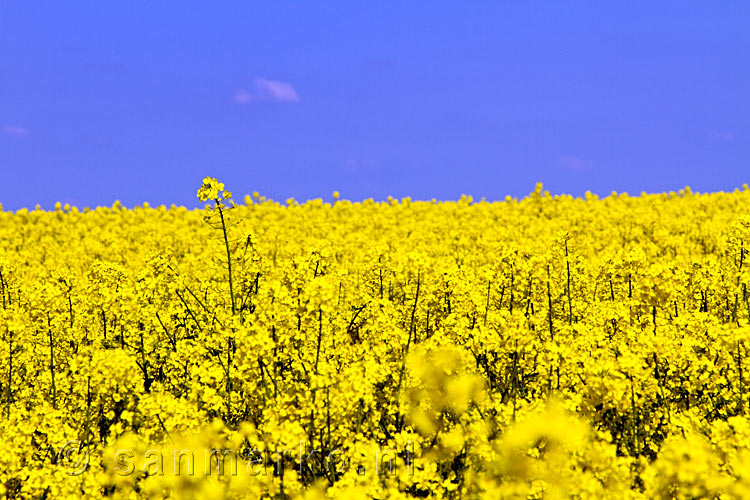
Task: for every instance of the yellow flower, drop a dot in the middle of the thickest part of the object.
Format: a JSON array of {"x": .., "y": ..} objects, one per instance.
[
  {"x": 211, "y": 189},
  {"x": 378, "y": 350}
]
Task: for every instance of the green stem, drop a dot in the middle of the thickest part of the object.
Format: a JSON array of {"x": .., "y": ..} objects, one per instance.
[
  {"x": 52, "y": 363},
  {"x": 229, "y": 255}
]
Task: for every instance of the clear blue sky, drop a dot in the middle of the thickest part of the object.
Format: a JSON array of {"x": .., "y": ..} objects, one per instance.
[{"x": 138, "y": 101}]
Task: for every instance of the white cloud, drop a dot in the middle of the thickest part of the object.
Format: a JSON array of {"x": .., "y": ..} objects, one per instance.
[
  {"x": 267, "y": 91},
  {"x": 243, "y": 97},
  {"x": 278, "y": 91},
  {"x": 723, "y": 135},
  {"x": 15, "y": 131},
  {"x": 575, "y": 162}
]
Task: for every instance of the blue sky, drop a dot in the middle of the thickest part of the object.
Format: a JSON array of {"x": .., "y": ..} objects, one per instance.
[{"x": 138, "y": 101}]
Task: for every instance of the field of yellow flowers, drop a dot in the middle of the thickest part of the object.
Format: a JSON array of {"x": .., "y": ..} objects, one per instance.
[{"x": 548, "y": 347}]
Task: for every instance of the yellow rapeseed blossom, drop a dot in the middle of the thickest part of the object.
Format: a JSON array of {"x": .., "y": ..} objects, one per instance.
[
  {"x": 211, "y": 190},
  {"x": 543, "y": 347}
]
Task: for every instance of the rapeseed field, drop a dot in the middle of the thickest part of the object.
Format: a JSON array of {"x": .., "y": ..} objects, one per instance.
[{"x": 547, "y": 347}]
